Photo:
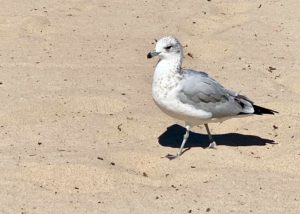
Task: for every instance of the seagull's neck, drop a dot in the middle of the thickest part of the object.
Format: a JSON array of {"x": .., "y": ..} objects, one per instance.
[
  {"x": 169, "y": 66},
  {"x": 166, "y": 76}
]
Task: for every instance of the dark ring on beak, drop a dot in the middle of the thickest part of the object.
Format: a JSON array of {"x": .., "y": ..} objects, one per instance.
[{"x": 152, "y": 54}]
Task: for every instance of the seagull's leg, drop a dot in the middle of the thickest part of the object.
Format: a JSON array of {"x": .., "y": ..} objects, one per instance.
[
  {"x": 185, "y": 137},
  {"x": 212, "y": 143}
]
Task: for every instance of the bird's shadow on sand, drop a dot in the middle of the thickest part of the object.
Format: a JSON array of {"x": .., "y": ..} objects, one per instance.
[{"x": 172, "y": 137}]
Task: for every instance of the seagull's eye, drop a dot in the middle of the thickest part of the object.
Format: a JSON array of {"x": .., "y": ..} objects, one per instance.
[{"x": 168, "y": 47}]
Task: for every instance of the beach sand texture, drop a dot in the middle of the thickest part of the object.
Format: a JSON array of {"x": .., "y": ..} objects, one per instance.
[{"x": 80, "y": 132}]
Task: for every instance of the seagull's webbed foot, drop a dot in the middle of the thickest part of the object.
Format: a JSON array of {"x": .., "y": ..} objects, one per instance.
[
  {"x": 172, "y": 157},
  {"x": 179, "y": 153},
  {"x": 212, "y": 145}
]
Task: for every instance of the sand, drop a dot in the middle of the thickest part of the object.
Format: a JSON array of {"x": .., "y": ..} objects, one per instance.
[{"x": 80, "y": 132}]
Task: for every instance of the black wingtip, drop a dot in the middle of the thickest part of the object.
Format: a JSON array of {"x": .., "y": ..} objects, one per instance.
[{"x": 261, "y": 110}]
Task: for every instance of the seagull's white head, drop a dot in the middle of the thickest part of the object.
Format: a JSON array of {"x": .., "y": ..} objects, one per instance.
[{"x": 166, "y": 48}]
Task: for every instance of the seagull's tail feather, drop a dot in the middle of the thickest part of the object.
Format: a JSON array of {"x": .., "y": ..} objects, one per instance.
[
  {"x": 261, "y": 110},
  {"x": 249, "y": 107}
]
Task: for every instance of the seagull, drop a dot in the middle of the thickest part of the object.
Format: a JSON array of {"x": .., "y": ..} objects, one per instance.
[{"x": 193, "y": 96}]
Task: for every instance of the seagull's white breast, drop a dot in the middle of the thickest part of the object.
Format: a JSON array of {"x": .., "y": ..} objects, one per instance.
[{"x": 165, "y": 88}]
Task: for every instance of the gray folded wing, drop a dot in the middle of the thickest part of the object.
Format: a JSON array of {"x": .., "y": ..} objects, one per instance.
[{"x": 203, "y": 92}]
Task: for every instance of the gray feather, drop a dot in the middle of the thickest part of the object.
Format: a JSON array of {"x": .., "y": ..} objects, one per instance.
[{"x": 203, "y": 92}]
